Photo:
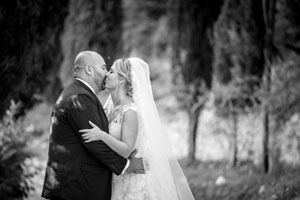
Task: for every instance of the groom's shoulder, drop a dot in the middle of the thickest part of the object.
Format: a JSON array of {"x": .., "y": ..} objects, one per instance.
[
  {"x": 75, "y": 89},
  {"x": 72, "y": 96}
]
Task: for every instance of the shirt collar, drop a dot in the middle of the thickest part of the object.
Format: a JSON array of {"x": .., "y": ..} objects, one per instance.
[{"x": 86, "y": 84}]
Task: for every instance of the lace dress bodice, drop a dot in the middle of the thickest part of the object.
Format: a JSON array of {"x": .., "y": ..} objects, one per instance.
[
  {"x": 128, "y": 186},
  {"x": 115, "y": 124}
]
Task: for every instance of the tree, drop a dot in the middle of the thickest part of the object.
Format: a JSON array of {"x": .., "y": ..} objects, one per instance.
[
  {"x": 191, "y": 23},
  {"x": 237, "y": 43},
  {"x": 287, "y": 72},
  {"x": 282, "y": 96},
  {"x": 237, "y": 65},
  {"x": 240, "y": 99},
  {"x": 30, "y": 52},
  {"x": 16, "y": 173},
  {"x": 269, "y": 54},
  {"x": 141, "y": 21},
  {"x": 91, "y": 25}
]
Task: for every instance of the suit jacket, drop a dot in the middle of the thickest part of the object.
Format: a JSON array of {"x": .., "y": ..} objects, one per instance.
[{"x": 77, "y": 170}]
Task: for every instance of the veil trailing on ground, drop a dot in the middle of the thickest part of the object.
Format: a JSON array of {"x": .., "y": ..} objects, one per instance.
[{"x": 166, "y": 177}]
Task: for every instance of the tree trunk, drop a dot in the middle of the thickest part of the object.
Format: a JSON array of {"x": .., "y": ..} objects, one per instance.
[
  {"x": 265, "y": 141},
  {"x": 265, "y": 117},
  {"x": 269, "y": 18},
  {"x": 233, "y": 156},
  {"x": 298, "y": 147},
  {"x": 193, "y": 126}
]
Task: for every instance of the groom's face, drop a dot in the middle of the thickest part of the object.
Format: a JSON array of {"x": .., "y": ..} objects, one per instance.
[{"x": 99, "y": 74}]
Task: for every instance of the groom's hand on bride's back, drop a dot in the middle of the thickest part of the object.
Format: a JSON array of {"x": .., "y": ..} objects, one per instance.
[{"x": 137, "y": 165}]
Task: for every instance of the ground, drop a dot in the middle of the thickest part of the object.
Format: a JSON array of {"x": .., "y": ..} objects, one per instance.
[
  {"x": 208, "y": 180},
  {"x": 218, "y": 181}
]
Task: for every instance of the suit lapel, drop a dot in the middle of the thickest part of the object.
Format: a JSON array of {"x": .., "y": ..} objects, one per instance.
[{"x": 100, "y": 107}]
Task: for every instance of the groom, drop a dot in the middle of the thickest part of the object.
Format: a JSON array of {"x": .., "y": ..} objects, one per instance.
[{"x": 78, "y": 170}]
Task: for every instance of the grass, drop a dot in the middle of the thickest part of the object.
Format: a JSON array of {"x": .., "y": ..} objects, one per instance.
[{"x": 241, "y": 183}]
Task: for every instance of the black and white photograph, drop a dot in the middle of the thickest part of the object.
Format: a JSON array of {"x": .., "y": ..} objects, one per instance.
[{"x": 150, "y": 100}]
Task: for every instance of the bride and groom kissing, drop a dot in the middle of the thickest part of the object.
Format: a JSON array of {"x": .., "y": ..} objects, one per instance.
[{"x": 118, "y": 151}]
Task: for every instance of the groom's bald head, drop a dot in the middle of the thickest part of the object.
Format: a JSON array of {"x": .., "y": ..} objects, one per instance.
[
  {"x": 90, "y": 67},
  {"x": 86, "y": 58}
]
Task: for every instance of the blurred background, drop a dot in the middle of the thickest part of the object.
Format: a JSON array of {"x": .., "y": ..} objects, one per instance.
[{"x": 225, "y": 76}]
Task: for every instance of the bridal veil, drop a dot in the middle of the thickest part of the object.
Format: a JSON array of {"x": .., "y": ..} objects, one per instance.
[{"x": 166, "y": 176}]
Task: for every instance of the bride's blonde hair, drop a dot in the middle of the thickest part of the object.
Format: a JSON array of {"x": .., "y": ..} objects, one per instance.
[{"x": 123, "y": 68}]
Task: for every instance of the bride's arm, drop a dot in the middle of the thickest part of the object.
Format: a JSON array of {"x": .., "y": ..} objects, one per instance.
[{"x": 128, "y": 135}]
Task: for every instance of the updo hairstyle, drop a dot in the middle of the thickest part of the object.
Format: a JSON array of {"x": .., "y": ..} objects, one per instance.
[{"x": 123, "y": 68}]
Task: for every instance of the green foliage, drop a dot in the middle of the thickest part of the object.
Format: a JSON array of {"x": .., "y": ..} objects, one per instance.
[
  {"x": 292, "y": 192},
  {"x": 30, "y": 49},
  {"x": 288, "y": 26},
  {"x": 144, "y": 26},
  {"x": 240, "y": 96},
  {"x": 238, "y": 66},
  {"x": 15, "y": 173},
  {"x": 194, "y": 20},
  {"x": 284, "y": 98},
  {"x": 191, "y": 23},
  {"x": 237, "y": 38}
]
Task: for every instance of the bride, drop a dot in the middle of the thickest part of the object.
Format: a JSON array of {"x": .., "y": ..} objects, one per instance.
[{"x": 134, "y": 123}]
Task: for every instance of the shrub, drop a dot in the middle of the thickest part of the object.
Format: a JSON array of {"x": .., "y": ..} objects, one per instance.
[{"x": 15, "y": 174}]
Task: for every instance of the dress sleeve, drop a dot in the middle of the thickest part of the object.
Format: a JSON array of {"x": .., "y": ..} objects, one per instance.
[{"x": 131, "y": 106}]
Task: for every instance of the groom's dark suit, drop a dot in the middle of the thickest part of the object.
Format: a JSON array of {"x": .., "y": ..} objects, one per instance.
[{"x": 78, "y": 170}]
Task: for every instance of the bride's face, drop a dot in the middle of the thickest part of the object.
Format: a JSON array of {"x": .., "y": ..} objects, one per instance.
[{"x": 111, "y": 80}]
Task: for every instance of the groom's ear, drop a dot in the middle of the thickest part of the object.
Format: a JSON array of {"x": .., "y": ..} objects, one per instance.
[{"x": 88, "y": 69}]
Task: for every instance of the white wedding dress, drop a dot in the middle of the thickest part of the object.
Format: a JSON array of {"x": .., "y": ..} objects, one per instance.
[
  {"x": 164, "y": 180},
  {"x": 129, "y": 186}
]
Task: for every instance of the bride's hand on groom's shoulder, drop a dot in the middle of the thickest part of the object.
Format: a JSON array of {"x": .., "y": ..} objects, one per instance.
[
  {"x": 92, "y": 134},
  {"x": 137, "y": 165}
]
